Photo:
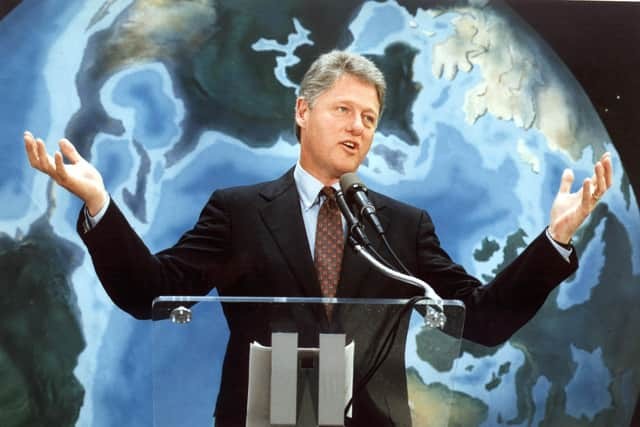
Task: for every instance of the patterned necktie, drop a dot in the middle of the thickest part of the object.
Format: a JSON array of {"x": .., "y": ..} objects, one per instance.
[{"x": 329, "y": 245}]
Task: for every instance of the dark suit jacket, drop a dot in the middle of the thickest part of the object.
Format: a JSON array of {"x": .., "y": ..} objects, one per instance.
[{"x": 250, "y": 241}]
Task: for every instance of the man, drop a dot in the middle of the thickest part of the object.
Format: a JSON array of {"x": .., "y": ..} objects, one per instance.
[{"x": 263, "y": 240}]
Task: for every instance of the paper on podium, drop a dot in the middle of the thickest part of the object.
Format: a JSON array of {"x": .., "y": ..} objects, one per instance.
[{"x": 259, "y": 393}]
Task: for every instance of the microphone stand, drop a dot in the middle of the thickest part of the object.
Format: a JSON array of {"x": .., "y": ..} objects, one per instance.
[
  {"x": 358, "y": 240},
  {"x": 433, "y": 318},
  {"x": 389, "y": 272}
]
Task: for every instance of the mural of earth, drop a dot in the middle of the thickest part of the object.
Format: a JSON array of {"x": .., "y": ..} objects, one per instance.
[{"x": 172, "y": 99}]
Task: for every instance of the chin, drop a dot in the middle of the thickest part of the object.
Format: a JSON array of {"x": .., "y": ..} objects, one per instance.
[
  {"x": 351, "y": 167},
  {"x": 345, "y": 167},
  {"x": 346, "y": 170}
]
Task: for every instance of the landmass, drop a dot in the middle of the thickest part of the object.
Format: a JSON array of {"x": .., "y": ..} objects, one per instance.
[
  {"x": 527, "y": 156},
  {"x": 41, "y": 337},
  {"x": 436, "y": 405},
  {"x": 393, "y": 158},
  {"x": 136, "y": 200},
  {"x": 486, "y": 251},
  {"x": 518, "y": 83},
  {"x": 402, "y": 91},
  {"x": 546, "y": 340},
  {"x": 496, "y": 378}
]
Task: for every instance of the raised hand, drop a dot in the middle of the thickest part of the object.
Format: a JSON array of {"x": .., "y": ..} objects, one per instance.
[
  {"x": 569, "y": 210},
  {"x": 78, "y": 176}
]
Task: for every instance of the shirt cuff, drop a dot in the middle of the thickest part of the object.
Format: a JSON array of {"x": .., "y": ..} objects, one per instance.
[
  {"x": 92, "y": 221},
  {"x": 566, "y": 253}
]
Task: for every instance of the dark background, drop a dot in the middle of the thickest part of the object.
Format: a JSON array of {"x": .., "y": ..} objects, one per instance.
[{"x": 599, "y": 42}]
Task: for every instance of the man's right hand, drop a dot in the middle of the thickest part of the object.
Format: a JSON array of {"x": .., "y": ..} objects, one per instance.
[{"x": 78, "y": 176}]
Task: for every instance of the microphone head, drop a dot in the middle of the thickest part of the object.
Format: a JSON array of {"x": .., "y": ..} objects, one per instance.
[{"x": 350, "y": 182}]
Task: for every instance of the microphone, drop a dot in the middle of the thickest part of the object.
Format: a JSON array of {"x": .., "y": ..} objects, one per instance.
[
  {"x": 353, "y": 225},
  {"x": 356, "y": 193}
]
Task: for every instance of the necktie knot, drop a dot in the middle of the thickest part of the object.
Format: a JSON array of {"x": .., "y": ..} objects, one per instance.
[{"x": 329, "y": 193}]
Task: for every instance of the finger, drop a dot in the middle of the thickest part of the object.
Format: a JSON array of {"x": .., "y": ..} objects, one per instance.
[
  {"x": 601, "y": 185},
  {"x": 30, "y": 148},
  {"x": 60, "y": 173},
  {"x": 608, "y": 169},
  {"x": 587, "y": 199},
  {"x": 69, "y": 151},
  {"x": 566, "y": 181},
  {"x": 598, "y": 172},
  {"x": 28, "y": 137},
  {"x": 45, "y": 162}
]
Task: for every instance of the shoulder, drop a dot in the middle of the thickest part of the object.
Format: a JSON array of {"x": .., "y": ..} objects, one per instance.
[
  {"x": 265, "y": 190},
  {"x": 400, "y": 217},
  {"x": 382, "y": 201}
]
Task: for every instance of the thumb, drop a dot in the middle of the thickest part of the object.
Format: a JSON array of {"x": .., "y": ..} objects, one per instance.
[
  {"x": 566, "y": 181},
  {"x": 69, "y": 151}
]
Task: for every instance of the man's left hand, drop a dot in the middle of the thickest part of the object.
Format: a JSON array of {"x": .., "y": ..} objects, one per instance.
[{"x": 569, "y": 210}]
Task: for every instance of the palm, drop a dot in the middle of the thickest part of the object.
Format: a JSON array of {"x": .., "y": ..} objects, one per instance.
[
  {"x": 78, "y": 176},
  {"x": 83, "y": 178},
  {"x": 569, "y": 210}
]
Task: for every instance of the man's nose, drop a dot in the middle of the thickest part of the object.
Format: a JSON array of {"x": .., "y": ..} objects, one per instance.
[{"x": 356, "y": 126}]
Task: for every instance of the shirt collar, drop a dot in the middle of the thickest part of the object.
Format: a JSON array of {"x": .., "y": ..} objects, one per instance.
[{"x": 308, "y": 187}]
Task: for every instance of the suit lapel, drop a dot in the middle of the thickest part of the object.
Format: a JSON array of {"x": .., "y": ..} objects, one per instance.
[{"x": 282, "y": 217}]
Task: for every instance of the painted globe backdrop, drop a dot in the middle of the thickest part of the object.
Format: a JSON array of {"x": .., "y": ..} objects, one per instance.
[{"x": 172, "y": 99}]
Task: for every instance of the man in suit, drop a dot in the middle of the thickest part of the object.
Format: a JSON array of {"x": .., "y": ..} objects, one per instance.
[{"x": 264, "y": 240}]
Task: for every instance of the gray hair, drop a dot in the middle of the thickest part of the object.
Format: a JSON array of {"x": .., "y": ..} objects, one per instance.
[{"x": 325, "y": 70}]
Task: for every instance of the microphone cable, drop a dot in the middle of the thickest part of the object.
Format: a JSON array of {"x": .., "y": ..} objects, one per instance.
[
  {"x": 385, "y": 349},
  {"x": 356, "y": 234},
  {"x": 356, "y": 192},
  {"x": 395, "y": 256},
  {"x": 355, "y": 229}
]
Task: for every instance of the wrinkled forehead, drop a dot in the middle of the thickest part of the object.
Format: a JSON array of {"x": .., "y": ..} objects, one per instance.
[{"x": 355, "y": 90}]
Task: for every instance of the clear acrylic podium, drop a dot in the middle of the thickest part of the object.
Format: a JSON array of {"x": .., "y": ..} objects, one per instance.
[{"x": 415, "y": 382}]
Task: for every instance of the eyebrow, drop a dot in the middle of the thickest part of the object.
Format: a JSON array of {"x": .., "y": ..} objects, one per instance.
[{"x": 365, "y": 109}]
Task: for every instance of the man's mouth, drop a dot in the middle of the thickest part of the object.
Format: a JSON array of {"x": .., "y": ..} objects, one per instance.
[{"x": 350, "y": 144}]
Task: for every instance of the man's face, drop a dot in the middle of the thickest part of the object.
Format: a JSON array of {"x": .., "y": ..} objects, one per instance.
[{"x": 336, "y": 133}]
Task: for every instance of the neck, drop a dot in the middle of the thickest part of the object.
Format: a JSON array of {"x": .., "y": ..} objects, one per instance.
[{"x": 326, "y": 181}]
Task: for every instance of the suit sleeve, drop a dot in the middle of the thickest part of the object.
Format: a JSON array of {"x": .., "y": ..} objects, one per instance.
[
  {"x": 132, "y": 276},
  {"x": 495, "y": 311}
]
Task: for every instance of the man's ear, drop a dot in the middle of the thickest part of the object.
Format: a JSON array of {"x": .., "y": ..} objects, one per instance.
[{"x": 302, "y": 108}]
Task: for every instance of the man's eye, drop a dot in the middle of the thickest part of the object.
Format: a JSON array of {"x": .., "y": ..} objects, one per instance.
[
  {"x": 343, "y": 109},
  {"x": 370, "y": 119}
]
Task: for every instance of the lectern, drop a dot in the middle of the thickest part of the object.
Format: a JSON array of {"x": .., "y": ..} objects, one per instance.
[{"x": 302, "y": 364}]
